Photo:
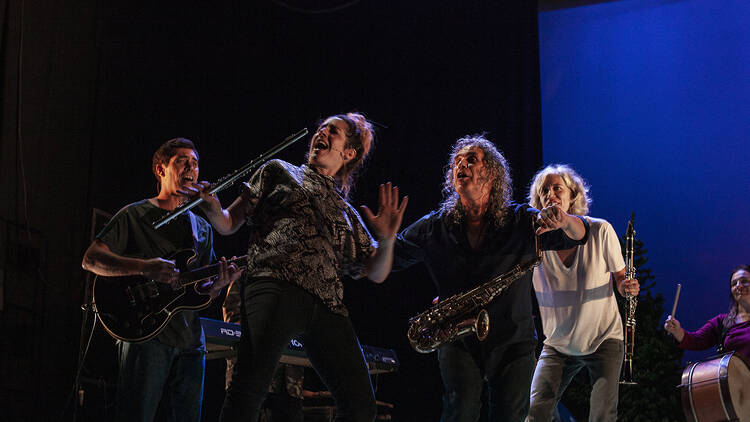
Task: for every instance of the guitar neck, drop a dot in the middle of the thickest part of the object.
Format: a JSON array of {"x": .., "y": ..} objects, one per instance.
[{"x": 204, "y": 273}]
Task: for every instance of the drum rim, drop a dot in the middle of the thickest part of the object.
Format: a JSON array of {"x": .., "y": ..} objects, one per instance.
[
  {"x": 724, "y": 387},
  {"x": 690, "y": 390}
]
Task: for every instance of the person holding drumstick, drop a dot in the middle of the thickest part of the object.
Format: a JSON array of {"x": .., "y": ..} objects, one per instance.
[{"x": 731, "y": 331}]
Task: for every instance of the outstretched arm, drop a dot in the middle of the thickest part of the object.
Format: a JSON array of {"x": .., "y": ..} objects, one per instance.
[
  {"x": 553, "y": 218},
  {"x": 385, "y": 224}
]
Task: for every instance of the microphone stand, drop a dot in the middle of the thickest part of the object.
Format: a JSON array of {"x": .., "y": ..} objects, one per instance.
[{"x": 78, "y": 392}]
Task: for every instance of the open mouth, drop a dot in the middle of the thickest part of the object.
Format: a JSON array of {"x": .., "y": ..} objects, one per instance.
[
  {"x": 461, "y": 175},
  {"x": 187, "y": 179},
  {"x": 319, "y": 145}
]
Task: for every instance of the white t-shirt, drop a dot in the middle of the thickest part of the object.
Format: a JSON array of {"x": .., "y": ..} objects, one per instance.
[{"x": 577, "y": 303}]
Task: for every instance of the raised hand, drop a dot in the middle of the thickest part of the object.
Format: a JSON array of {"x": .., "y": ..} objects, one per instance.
[
  {"x": 386, "y": 222},
  {"x": 551, "y": 218},
  {"x": 673, "y": 327},
  {"x": 200, "y": 189}
]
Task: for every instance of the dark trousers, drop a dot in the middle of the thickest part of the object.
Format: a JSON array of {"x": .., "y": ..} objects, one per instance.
[
  {"x": 280, "y": 407},
  {"x": 507, "y": 370},
  {"x": 272, "y": 313}
]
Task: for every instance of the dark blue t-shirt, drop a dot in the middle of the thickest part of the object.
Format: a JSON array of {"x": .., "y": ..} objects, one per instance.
[{"x": 130, "y": 233}]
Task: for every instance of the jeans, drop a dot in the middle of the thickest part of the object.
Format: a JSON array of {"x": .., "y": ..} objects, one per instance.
[
  {"x": 554, "y": 371},
  {"x": 508, "y": 371},
  {"x": 273, "y": 312},
  {"x": 154, "y": 375}
]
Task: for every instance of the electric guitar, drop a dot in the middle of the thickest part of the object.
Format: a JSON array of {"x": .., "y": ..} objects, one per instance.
[{"x": 135, "y": 309}]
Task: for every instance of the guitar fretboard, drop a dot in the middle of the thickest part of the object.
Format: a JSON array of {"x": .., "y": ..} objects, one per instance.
[{"x": 208, "y": 271}]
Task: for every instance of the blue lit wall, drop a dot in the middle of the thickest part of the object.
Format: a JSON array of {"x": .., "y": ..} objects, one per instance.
[{"x": 649, "y": 101}]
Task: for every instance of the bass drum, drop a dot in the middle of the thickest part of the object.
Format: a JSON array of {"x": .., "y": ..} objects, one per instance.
[{"x": 717, "y": 389}]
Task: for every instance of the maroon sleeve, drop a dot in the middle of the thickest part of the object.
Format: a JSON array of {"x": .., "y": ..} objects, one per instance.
[
  {"x": 705, "y": 337},
  {"x": 738, "y": 339}
]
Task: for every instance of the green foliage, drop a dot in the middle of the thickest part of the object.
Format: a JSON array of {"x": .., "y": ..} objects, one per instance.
[{"x": 656, "y": 362}]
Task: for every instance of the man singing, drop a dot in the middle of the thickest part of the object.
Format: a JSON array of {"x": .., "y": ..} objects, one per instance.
[
  {"x": 475, "y": 235},
  {"x": 167, "y": 369}
]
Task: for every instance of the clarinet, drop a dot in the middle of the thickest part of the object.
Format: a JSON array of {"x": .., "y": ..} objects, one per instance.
[{"x": 632, "y": 302}]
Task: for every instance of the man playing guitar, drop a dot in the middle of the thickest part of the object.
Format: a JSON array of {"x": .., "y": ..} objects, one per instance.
[{"x": 167, "y": 368}]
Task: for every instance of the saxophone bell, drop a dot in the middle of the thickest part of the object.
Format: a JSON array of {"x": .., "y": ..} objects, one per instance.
[
  {"x": 482, "y": 325},
  {"x": 428, "y": 339},
  {"x": 464, "y": 313},
  {"x": 461, "y": 314}
]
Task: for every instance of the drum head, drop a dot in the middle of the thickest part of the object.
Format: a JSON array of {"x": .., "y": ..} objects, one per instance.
[{"x": 739, "y": 387}]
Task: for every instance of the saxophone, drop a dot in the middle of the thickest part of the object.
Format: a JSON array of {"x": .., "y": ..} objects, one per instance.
[
  {"x": 463, "y": 313},
  {"x": 632, "y": 302}
]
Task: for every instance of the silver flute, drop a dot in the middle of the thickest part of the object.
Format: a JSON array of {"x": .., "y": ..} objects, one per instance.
[{"x": 230, "y": 178}]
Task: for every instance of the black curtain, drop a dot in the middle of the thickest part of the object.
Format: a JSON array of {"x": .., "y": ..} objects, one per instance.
[{"x": 91, "y": 88}]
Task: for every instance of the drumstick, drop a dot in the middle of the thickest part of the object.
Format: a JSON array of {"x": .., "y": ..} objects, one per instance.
[{"x": 676, "y": 297}]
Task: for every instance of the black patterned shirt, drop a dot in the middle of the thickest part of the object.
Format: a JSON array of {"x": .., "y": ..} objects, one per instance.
[{"x": 304, "y": 232}]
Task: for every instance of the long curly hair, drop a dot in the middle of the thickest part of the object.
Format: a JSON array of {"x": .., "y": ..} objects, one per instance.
[
  {"x": 579, "y": 189},
  {"x": 498, "y": 169},
  {"x": 731, "y": 317}
]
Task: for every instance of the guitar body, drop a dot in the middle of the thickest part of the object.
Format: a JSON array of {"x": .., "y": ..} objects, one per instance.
[{"x": 135, "y": 309}]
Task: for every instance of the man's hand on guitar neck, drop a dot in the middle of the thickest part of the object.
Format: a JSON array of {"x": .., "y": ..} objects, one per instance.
[
  {"x": 227, "y": 274},
  {"x": 165, "y": 271}
]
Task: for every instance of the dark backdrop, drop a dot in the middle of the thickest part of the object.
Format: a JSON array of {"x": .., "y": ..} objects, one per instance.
[{"x": 90, "y": 89}]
